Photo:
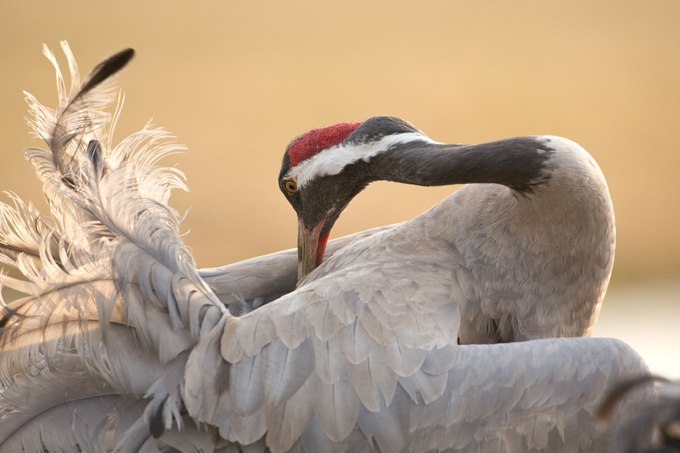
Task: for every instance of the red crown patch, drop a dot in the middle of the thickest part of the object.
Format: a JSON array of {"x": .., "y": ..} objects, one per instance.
[{"x": 307, "y": 145}]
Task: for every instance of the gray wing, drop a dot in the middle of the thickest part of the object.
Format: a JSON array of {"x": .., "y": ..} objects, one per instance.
[
  {"x": 333, "y": 368},
  {"x": 248, "y": 284}
]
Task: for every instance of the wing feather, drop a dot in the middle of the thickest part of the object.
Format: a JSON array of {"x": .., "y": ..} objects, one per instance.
[
  {"x": 355, "y": 343},
  {"x": 287, "y": 421},
  {"x": 380, "y": 392},
  {"x": 287, "y": 370},
  {"x": 329, "y": 361},
  {"x": 337, "y": 408},
  {"x": 269, "y": 276},
  {"x": 106, "y": 266}
]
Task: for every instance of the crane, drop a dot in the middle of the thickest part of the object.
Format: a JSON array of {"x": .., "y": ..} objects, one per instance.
[
  {"x": 527, "y": 245},
  {"x": 120, "y": 342}
]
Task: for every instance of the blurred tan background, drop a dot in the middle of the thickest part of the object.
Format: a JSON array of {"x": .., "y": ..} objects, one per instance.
[{"x": 235, "y": 81}]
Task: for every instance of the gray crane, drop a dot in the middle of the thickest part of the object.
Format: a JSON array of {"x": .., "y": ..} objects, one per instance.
[
  {"x": 121, "y": 343},
  {"x": 525, "y": 251}
]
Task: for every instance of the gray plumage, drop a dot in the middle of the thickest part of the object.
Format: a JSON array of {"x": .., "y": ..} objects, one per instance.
[{"x": 120, "y": 343}]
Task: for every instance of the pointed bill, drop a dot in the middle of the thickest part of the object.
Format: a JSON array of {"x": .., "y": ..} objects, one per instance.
[{"x": 308, "y": 248}]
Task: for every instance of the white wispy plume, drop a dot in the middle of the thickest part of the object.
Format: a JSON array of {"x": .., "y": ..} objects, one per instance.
[{"x": 107, "y": 259}]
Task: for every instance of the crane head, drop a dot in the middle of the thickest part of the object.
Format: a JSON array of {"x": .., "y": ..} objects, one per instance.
[{"x": 324, "y": 169}]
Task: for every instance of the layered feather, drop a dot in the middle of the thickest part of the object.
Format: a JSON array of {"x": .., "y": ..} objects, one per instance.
[
  {"x": 303, "y": 383},
  {"x": 107, "y": 265}
]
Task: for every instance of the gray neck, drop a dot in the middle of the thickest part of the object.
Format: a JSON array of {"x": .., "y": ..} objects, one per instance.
[{"x": 519, "y": 163}]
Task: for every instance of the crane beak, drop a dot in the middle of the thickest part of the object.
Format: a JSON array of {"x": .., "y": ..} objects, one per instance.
[{"x": 310, "y": 248}]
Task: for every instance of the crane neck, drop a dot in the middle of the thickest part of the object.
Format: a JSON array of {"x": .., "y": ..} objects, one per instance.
[{"x": 519, "y": 163}]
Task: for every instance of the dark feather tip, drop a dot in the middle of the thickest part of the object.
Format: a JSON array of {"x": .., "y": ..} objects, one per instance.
[
  {"x": 156, "y": 425},
  {"x": 68, "y": 181},
  {"x": 107, "y": 68},
  {"x": 6, "y": 315},
  {"x": 94, "y": 153}
]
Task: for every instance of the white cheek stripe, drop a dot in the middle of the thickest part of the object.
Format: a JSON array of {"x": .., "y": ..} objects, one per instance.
[{"x": 333, "y": 160}]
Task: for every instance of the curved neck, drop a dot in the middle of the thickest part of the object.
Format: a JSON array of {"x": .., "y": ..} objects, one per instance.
[{"x": 519, "y": 163}]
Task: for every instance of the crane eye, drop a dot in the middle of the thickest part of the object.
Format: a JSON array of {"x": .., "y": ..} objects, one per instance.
[{"x": 291, "y": 186}]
